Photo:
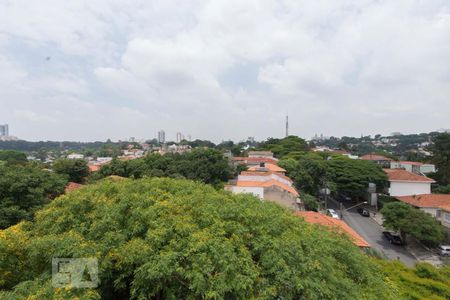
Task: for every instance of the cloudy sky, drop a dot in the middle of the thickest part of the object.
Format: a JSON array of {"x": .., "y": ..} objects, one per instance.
[{"x": 218, "y": 70}]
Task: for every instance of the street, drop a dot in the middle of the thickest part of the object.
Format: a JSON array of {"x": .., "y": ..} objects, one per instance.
[{"x": 372, "y": 233}]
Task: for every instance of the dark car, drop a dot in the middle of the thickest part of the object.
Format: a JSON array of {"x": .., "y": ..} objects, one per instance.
[
  {"x": 363, "y": 212},
  {"x": 393, "y": 238}
]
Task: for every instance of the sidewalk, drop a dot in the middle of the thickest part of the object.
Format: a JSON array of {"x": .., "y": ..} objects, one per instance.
[{"x": 377, "y": 217}]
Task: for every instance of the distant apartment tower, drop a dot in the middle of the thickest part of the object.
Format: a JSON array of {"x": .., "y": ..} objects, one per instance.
[
  {"x": 180, "y": 137},
  {"x": 161, "y": 137},
  {"x": 4, "y": 130}
]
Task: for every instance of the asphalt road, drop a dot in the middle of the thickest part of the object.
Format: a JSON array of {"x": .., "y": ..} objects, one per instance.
[{"x": 373, "y": 234}]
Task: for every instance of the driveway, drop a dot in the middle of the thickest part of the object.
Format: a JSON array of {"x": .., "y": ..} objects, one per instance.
[{"x": 371, "y": 231}]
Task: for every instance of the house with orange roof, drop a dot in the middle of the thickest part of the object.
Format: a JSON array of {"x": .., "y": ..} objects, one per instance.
[
  {"x": 339, "y": 226},
  {"x": 404, "y": 183},
  {"x": 269, "y": 167},
  {"x": 267, "y": 183},
  {"x": 437, "y": 205}
]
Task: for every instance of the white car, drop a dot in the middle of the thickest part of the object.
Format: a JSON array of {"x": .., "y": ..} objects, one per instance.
[
  {"x": 332, "y": 213},
  {"x": 444, "y": 250}
]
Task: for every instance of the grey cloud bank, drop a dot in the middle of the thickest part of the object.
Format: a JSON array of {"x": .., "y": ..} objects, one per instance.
[{"x": 92, "y": 70}]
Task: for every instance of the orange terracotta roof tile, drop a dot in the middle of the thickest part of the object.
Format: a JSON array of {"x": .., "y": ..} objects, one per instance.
[
  {"x": 71, "y": 186},
  {"x": 264, "y": 173},
  {"x": 375, "y": 157},
  {"x": 268, "y": 183},
  {"x": 403, "y": 175},
  {"x": 428, "y": 200},
  {"x": 94, "y": 168},
  {"x": 321, "y": 219},
  {"x": 268, "y": 166}
]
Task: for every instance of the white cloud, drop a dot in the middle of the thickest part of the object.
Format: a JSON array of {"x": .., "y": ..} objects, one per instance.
[{"x": 129, "y": 68}]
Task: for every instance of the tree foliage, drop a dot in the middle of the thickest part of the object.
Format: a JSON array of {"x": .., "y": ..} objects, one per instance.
[
  {"x": 309, "y": 171},
  {"x": 287, "y": 145},
  {"x": 164, "y": 238},
  {"x": 421, "y": 282},
  {"x": 352, "y": 176},
  {"x": 76, "y": 170},
  {"x": 205, "y": 165},
  {"x": 23, "y": 190},
  {"x": 13, "y": 157},
  {"x": 441, "y": 157},
  {"x": 415, "y": 222}
]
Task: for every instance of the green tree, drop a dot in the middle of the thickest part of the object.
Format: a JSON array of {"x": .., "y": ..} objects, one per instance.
[
  {"x": 407, "y": 220},
  {"x": 287, "y": 145},
  {"x": 310, "y": 172},
  {"x": 352, "y": 176},
  {"x": 13, "y": 157},
  {"x": 163, "y": 238},
  {"x": 442, "y": 189},
  {"x": 24, "y": 189},
  {"x": 205, "y": 165},
  {"x": 76, "y": 170},
  {"x": 421, "y": 282},
  {"x": 310, "y": 202},
  {"x": 441, "y": 157}
]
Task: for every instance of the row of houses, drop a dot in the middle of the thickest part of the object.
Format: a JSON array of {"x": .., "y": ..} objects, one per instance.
[
  {"x": 408, "y": 183},
  {"x": 268, "y": 181},
  {"x": 265, "y": 179}
]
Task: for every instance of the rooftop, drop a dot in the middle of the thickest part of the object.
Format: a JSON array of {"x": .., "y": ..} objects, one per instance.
[
  {"x": 441, "y": 201},
  {"x": 375, "y": 157},
  {"x": 264, "y": 173},
  {"x": 71, "y": 186},
  {"x": 321, "y": 219},
  {"x": 268, "y": 183},
  {"x": 403, "y": 175},
  {"x": 268, "y": 166}
]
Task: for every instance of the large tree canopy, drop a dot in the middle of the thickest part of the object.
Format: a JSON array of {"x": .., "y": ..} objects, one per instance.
[
  {"x": 352, "y": 176},
  {"x": 24, "y": 189},
  {"x": 441, "y": 157},
  {"x": 289, "y": 145},
  {"x": 205, "y": 165},
  {"x": 13, "y": 157},
  {"x": 177, "y": 239},
  {"x": 415, "y": 222},
  {"x": 76, "y": 170}
]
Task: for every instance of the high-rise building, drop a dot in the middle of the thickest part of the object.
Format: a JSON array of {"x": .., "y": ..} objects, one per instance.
[
  {"x": 4, "y": 130},
  {"x": 180, "y": 137},
  {"x": 161, "y": 136}
]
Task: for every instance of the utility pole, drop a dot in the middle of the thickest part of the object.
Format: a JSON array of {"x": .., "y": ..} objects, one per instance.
[{"x": 287, "y": 125}]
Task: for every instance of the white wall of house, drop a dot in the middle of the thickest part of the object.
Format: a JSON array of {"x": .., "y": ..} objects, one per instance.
[
  {"x": 445, "y": 218},
  {"x": 406, "y": 188},
  {"x": 257, "y": 191},
  {"x": 432, "y": 211},
  {"x": 427, "y": 168}
]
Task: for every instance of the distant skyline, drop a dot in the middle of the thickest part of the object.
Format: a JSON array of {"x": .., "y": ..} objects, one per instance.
[{"x": 221, "y": 70}]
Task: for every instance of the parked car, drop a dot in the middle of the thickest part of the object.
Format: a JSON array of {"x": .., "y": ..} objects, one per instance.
[
  {"x": 363, "y": 212},
  {"x": 444, "y": 250},
  {"x": 332, "y": 213},
  {"x": 393, "y": 238},
  {"x": 343, "y": 197}
]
